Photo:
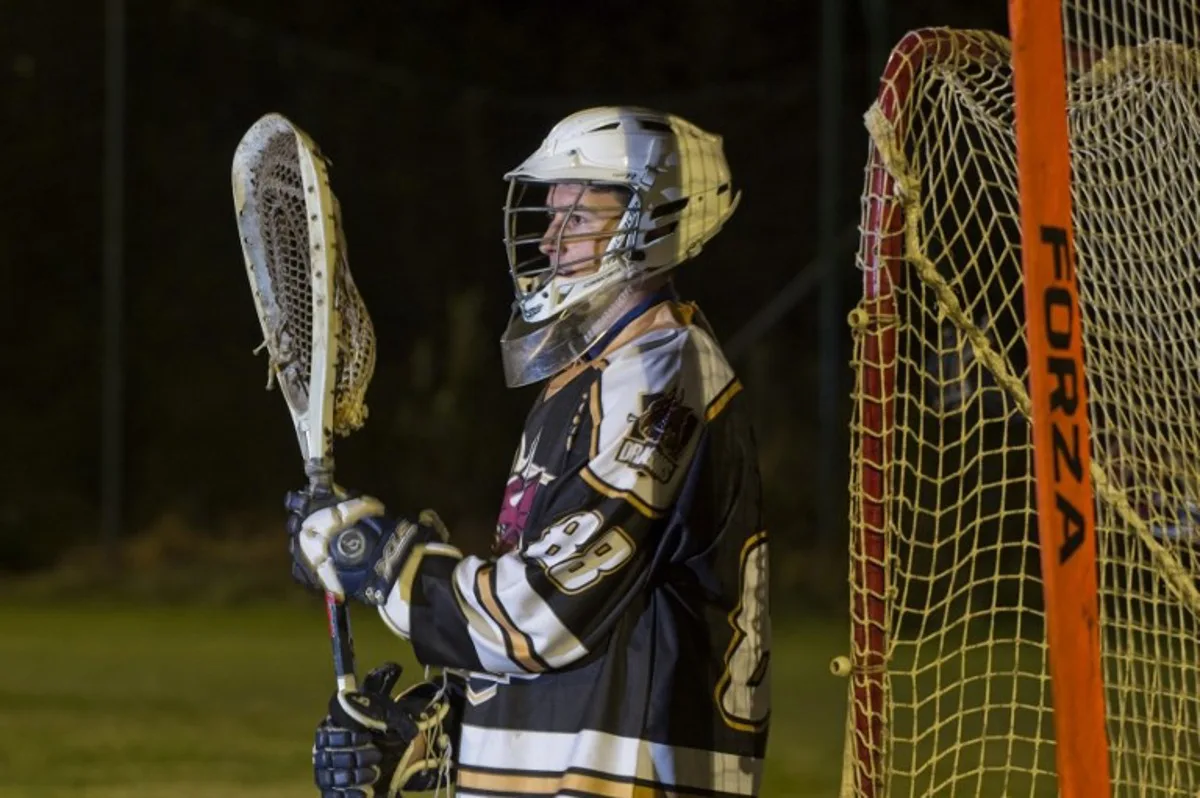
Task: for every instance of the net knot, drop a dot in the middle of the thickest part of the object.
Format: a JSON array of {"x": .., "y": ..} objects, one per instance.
[{"x": 862, "y": 319}]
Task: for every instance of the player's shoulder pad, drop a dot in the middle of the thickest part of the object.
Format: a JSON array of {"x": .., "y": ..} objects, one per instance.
[{"x": 649, "y": 407}]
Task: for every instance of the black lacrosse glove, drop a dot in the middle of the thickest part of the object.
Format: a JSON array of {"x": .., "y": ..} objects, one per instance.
[
  {"x": 346, "y": 545},
  {"x": 372, "y": 745}
]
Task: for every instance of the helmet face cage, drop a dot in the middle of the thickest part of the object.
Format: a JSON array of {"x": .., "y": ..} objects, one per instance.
[{"x": 527, "y": 216}]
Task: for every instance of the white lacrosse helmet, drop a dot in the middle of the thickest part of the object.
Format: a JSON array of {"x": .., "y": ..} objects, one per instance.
[
  {"x": 679, "y": 196},
  {"x": 680, "y": 190}
]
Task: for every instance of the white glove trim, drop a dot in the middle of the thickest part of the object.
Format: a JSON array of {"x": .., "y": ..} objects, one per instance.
[{"x": 321, "y": 527}]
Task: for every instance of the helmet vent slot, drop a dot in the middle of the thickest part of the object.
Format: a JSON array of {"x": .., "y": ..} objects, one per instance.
[
  {"x": 667, "y": 208},
  {"x": 655, "y": 125}
]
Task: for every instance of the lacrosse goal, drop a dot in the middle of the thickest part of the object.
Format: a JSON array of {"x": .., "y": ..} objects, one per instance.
[{"x": 954, "y": 635}]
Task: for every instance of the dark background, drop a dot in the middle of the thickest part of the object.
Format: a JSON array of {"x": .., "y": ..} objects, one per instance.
[{"x": 421, "y": 107}]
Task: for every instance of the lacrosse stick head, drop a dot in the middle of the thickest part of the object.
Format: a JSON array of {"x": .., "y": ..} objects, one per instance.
[{"x": 318, "y": 336}]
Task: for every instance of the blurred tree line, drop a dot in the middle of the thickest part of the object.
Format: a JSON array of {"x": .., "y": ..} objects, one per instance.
[{"x": 421, "y": 108}]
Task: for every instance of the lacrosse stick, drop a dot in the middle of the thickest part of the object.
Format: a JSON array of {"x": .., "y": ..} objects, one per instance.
[{"x": 316, "y": 330}]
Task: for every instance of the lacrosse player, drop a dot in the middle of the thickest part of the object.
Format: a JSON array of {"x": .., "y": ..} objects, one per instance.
[{"x": 617, "y": 641}]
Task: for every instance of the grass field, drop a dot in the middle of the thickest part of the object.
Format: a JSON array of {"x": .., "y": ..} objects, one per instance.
[{"x": 201, "y": 702}]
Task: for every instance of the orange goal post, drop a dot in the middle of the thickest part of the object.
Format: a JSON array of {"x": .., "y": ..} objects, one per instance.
[{"x": 1025, "y": 459}]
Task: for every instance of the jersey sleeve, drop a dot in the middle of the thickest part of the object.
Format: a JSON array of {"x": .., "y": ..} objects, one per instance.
[{"x": 548, "y": 604}]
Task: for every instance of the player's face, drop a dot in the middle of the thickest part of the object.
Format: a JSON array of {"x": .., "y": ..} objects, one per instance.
[{"x": 582, "y": 222}]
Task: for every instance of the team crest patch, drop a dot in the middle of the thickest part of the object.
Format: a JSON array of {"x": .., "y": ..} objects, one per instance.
[
  {"x": 659, "y": 435},
  {"x": 526, "y": 479}
]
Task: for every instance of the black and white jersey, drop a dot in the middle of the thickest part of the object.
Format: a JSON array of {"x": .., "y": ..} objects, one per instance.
[{"x": 620, "y": 643}]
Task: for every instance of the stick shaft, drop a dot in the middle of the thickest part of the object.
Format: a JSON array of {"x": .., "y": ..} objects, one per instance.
[
  {"x": 342, "y": 641},
  {"x": 320, "y": 485}
]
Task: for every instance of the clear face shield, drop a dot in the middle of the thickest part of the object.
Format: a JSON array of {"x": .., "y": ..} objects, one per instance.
[
  {"x": 570, "y": 251},
  {"x": 532, "y": 352}
]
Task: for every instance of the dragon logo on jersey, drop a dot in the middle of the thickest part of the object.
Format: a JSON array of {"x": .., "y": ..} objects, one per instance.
[
  {"x": 659, "y": 435},
  {"x": 520, "y": 491}
]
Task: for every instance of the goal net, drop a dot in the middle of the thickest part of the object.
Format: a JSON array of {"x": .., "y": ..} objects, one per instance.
[{"x": 950, "y": 692}]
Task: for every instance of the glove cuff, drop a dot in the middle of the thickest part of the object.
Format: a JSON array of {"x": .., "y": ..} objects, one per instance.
[
  {"x": 389, "y": 559},
  {"x": 391, "y": 554}
]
